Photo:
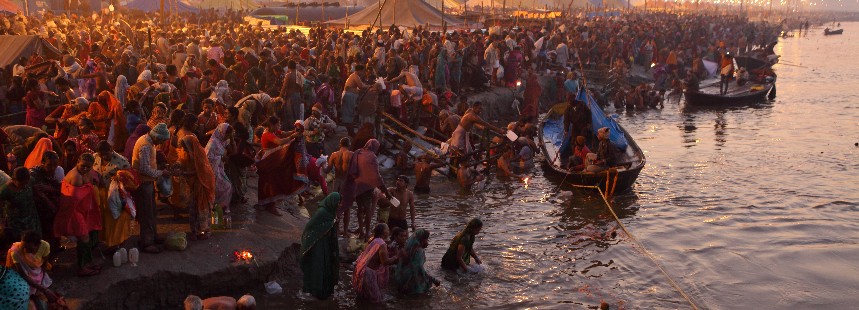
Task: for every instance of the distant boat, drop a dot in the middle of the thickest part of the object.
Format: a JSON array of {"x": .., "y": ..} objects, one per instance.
[
  {"x": 828, "y": 32},
  {"x": 709, "y": 95},
  {"x": 631, "y": 157}
]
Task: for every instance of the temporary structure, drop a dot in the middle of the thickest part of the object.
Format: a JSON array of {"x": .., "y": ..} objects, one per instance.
[
  {"x": 13, "y": 47},
  {"x": 407, "y": 13},
  {"x": 225, "y": 4},
  {"x": 9, "y": 7},
  {"x": 154, "y": 6}
]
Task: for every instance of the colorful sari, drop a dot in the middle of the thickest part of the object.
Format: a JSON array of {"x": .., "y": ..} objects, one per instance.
[
  {"x": 35, "y": 157},
  {"x": 216, "y": 151},
  {"x": 117, "y": 133},
  {"x": 410, "y": 275},
  {"x": 78, "y": 212},
  {"x": 202, "y": 183},
  {"x": 369, "y": 283},
  {"x": 274, "y": 170},
  {"x": 14, "y": 290},
  {"x": 100, "y": 116},
  {"x": 320, "y": 256}
]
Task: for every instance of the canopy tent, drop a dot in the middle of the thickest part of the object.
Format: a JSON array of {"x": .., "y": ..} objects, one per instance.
[
  {"x": 225, "y": 4},
  {"x": 9, "y": 7},
  {"x": 472, "y": 5},
  {"x": 449, "y": 5},
  {"x": 13, "y": 47},
  {"x": 407, "y": 13},
  {"x": 600, "y": 4},
  {"x": 312, "y": 14},
  {"x": 153, "y": 6}
]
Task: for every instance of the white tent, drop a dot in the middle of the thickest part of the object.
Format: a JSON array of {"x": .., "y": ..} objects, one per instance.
[
  {"x": 407, "y": 13},
  {"x": 224, "y": 4}
]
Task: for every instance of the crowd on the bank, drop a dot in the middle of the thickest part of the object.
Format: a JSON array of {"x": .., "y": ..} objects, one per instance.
[{"x": 139, "y": 110}]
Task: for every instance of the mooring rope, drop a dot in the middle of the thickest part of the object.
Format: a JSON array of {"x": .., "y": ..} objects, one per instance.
[{"x": 634, "y": 239}]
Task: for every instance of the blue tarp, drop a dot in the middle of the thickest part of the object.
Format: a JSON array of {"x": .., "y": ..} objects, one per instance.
[{"x": 599, "y": 120}]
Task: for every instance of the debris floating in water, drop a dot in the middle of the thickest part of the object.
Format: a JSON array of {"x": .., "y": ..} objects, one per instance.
[{"x": 526, "y": 179}]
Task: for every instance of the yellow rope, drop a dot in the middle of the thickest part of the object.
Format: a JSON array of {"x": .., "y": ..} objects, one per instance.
[{"x": 631, "y": 236}]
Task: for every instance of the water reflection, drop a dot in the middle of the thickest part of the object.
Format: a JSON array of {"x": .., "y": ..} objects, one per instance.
[{"x": 720, "y": 129}]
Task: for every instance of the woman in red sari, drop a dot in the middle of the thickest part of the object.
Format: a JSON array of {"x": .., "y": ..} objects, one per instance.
[
  {"x": 36, "y": 103},
  {"x": 275, "y": 164},
  {"x": 116, "y": 131},
  {"x": 78, "y": 213}
]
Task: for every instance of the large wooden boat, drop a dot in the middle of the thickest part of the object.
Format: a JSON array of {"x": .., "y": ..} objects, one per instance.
[{"x": 620, "y": 177}]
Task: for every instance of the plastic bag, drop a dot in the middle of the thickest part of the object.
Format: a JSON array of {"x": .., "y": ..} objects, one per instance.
[
  {"x": 176, "y": 241},
  {"x": 118, "y": 198},
  {"x": 273, "y": 288},
  {"x": 165, "y": 186}
]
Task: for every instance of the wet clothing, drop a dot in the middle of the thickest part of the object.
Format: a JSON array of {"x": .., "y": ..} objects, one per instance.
[
  {"x": 449, "y": 261},
  {"x": 410, "y": 275},
  {"x": 320, "y": 256},
  {"x": 369, "y": 283}
]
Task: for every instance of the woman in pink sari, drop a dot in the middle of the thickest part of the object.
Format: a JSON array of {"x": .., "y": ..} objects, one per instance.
[{"x": 371, "y": 268}]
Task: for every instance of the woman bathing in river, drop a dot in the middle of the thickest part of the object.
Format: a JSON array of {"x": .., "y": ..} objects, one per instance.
[{"x": 461, "y": 250}]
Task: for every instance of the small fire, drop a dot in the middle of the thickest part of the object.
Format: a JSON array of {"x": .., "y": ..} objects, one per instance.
[
  {"x": 244, "y": 256},
  {"x": 526, "y": 179}
]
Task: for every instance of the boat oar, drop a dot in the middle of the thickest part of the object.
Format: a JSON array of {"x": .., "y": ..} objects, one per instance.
[{"x": 792, "y": 65}]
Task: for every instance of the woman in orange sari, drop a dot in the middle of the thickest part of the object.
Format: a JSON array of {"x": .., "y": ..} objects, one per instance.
[
  {"x": 201, "y": 180},
  {"x": 99, "y": 114},
  {"x": 117, "y": 133}
]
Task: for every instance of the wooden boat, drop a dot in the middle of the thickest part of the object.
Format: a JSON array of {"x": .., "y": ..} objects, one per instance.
[
  {"x": 750, "y": 92},
  {"x": 828, "y": 32},
  {"x": 620, "y": 178}
]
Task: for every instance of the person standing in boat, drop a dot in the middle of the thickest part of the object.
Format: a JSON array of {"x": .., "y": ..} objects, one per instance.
[{"x": 726, "y": 73}]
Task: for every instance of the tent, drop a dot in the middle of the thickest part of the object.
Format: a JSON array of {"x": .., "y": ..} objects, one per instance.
[
  {"x": 153, "y": 6},
  {"x": 225, "y": 4},
  {"x": 305, "y": 14},
  {"x": 449, "y": 5},
  {"x": 407, "y": 13},
  {"x": 9, "y": 7},
  {"x": 13, "y": 47}
]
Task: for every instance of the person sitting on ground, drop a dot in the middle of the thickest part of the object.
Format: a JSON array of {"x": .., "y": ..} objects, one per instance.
[
  {"x": 28, "y": 257},
  {"x": 461, "y": 251}
]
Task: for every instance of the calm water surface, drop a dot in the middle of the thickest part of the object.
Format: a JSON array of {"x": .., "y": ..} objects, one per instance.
[{"x": 747, "y": 207}]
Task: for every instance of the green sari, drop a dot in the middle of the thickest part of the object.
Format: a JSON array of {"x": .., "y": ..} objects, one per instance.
[
  {"x": 320, "y": 258},
  {"x": 448, "y": 261},
  {"x": 410, "y": 275},
  {"x": 21, "y": 214}
]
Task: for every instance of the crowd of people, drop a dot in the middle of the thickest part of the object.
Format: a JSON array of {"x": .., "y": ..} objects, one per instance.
[{"x": 182, "y": 110}]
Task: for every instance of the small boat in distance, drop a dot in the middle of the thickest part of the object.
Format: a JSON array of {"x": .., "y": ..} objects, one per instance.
[
  {"x": 630, "y": 159},
  {"x": 709, "y": 95},
  {"x": 828, "y": 32}
]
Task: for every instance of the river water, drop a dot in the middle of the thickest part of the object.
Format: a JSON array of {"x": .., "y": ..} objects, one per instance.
[{"x": 745, "y": 207}]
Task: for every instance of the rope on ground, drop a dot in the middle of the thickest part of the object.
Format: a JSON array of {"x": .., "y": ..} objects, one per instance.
[{"x": 634, "y": 239}]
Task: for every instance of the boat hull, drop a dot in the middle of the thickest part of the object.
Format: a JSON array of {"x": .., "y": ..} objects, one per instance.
[{"x": 713, "y": 98}]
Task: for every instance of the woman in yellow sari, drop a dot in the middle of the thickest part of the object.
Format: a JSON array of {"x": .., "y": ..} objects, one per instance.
[{"x": 115, "y": 229}]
